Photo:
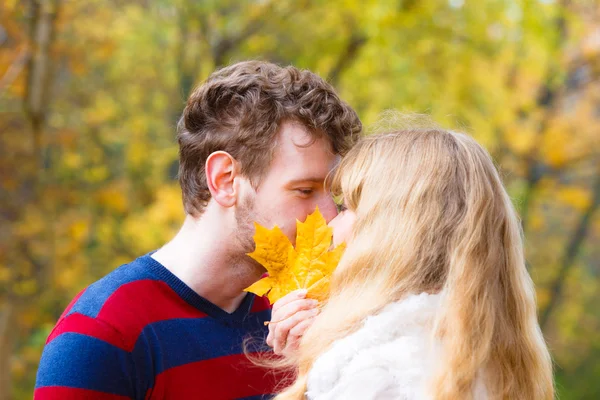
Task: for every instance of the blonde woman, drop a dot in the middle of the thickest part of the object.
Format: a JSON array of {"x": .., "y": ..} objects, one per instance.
[{"x": 431, "y": 299}]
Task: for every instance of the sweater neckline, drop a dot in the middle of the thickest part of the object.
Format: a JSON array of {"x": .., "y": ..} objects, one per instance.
[{"x": 193, "y": 298}]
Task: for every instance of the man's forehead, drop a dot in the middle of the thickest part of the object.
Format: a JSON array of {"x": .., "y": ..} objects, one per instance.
[
  {"x": 313, "y": 173},
  {"x": 300, "y": 156}
]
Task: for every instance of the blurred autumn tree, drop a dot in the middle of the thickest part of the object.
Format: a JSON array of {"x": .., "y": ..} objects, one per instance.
[{"x": 90, "y": 92}]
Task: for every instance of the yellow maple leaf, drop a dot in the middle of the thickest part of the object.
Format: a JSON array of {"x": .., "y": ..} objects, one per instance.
[{"x": 308, "y": 266}]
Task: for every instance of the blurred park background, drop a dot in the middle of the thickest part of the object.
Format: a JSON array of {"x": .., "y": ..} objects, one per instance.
[{"x": 90, "y": 92}]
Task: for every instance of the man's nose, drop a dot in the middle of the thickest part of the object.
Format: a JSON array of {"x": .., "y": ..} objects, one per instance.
[{"x": 328, "y": 209}]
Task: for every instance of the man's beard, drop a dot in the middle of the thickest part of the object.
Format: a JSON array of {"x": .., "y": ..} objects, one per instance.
[{"x": 245, "y": 216}]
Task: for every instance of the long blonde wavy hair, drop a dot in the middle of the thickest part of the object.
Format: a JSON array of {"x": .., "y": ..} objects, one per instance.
[{"x": 433, "y": 216}]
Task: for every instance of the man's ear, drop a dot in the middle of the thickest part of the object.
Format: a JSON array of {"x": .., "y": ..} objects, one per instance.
[{"x": 221, "y": 169}]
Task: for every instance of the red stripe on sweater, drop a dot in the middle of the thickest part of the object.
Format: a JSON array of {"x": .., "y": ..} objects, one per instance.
[
  {"x": 137, "y": 304},
  {"x": 228, "y": 377},
  {"x": 79, "y": 323},
  {"x": 260, "y": 304},
  {"x": 67, "y": 393},
  {"x": 131, "y": 308}
]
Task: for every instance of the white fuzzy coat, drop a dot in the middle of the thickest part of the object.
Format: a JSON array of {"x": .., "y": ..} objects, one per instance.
[{"x": 392, "y": 356}]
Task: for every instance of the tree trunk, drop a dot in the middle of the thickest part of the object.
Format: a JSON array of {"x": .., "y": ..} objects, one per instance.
[
  {"x": 35, "y": 106},
  {"x": 7, "y": 329},
  {"x": 571, "y": 252},
  {"x": 39, "y": 68}
]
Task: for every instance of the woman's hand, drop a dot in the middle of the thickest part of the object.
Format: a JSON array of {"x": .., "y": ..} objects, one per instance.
[{"x": 292, "y": 315}]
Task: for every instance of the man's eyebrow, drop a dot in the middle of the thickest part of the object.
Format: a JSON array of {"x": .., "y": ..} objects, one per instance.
[{"x": 319, "y": 180}]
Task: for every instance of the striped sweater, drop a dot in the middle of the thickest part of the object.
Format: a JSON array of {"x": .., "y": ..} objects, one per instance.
[{"x": 141, "y": 333}]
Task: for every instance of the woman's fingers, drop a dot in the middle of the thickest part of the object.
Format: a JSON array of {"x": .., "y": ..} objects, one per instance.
[
  {"x": 288, "y": 298},
  {"x": 286, "y": 334},
  {"x": 288, "y": 316},
  {"x": 295, "y": 335}
]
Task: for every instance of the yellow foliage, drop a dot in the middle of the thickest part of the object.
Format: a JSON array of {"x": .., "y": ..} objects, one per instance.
[
  {"x": 5, "y": 274},
  {"x": 69, "y": 277},
  {"x": 96, "y": 174},
  {"x": 114, "y": 198},
  {"x": 168, "y": 206},
  {"x": 560, "y": 146},
  {"x": 536, "y": 221},
  {"x": 18, "y": 368},
  {"x": 521, "y": 139},
  {"x": 104, "y": 110},
  {"x": 9, "y": 183},
  {"x": 308, "y": 266},
  {"x": 26, "y": 287},
  {"x": 576, "y": 197},
  {"x": 139, "y": 125},
  {"x": 72, "y": 160},
  {"x": 29, "y": 317},
  {"x": 32, "y": 224},
  {"x": 136, "y": 154},
  {"x": 157, "y": 223},
  {"x": 543, "y": 296},
  {"x": 78, "y": 230},
  {"x": 104, "y": 230}
]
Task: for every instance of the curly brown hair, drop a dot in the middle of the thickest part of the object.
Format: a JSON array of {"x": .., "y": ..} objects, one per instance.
[{"x": 240, "y": 109}]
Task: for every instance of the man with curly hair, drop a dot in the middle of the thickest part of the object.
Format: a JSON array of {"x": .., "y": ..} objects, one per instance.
[{"x": 256, "y": 142}]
